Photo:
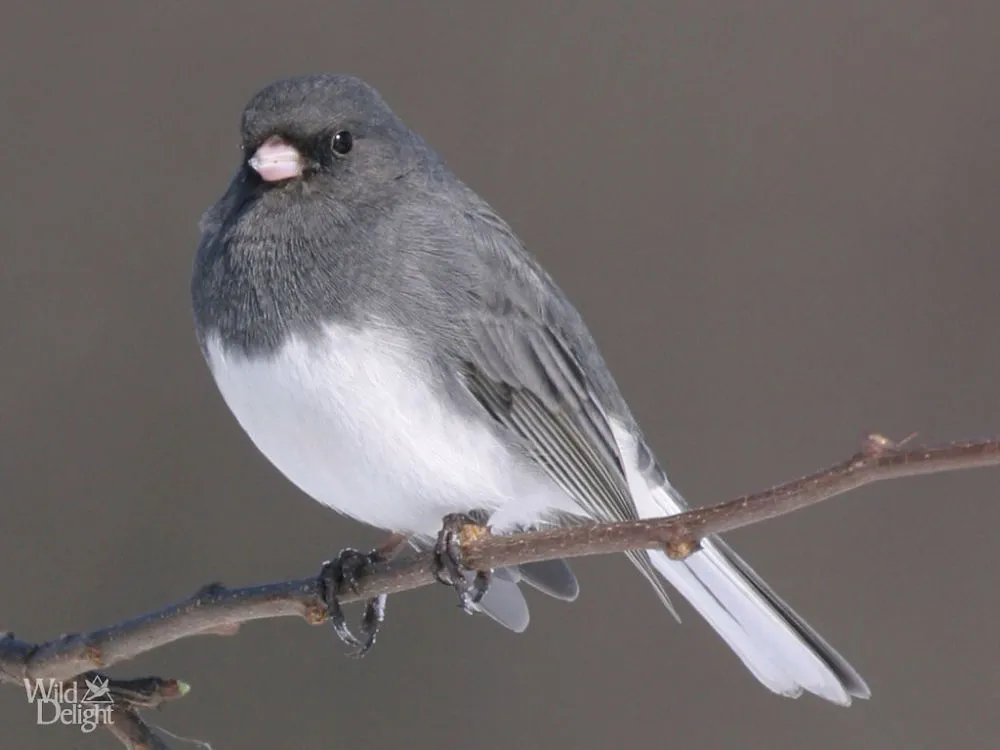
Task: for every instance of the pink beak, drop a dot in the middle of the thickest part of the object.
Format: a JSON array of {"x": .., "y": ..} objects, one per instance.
[{"x": 276, "y": 160}]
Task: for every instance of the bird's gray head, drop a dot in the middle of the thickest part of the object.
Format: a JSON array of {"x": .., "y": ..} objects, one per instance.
[
  {"x": 301, "y": 226},
  {"x": 329, "y": 130}
]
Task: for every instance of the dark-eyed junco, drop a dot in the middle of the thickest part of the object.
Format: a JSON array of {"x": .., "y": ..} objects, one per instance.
[{"x": 385, "y": 340}]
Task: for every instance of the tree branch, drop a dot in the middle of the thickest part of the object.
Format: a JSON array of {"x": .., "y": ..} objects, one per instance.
[{"x": 215, "y": 609}]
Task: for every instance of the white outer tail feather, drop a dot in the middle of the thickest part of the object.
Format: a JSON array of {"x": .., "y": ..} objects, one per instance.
[{"x": 765, "y": 641}]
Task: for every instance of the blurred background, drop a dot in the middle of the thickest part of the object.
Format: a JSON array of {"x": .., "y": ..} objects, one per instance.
[{"x": 780, "y": 220}]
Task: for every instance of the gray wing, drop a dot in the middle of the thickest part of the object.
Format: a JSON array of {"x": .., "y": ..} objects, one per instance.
[{"x": 530, "y": 382}]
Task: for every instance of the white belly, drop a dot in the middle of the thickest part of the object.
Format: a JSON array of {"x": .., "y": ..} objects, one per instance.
[{"x": 349, "y": 420}]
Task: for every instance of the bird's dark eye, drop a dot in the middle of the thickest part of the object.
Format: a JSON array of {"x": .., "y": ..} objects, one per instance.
[{"x": 343, "y": 142}]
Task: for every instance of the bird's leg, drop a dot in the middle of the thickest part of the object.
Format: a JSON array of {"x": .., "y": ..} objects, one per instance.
[
  {"x": 343, "y": 573},
  {"x": 374, "y": 614},
  {"x": 458, "y": 529}
]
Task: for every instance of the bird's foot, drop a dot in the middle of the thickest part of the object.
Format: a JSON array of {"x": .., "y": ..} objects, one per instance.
[
  {"x": 340, "y": 574},
  {"x": 458, "y": 529}
]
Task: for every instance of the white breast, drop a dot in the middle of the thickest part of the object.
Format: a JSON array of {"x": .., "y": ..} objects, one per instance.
[{"x": 349, "y": 419}]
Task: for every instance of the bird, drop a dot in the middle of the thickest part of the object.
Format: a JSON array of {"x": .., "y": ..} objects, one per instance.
[{"x": 387, "y": 342}]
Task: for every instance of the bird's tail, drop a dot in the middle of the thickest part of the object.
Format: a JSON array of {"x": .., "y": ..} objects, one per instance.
[{"x": 776, "y": 645}]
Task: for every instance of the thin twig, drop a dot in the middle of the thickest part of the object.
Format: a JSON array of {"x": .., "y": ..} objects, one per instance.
[
  {"x": 134, "y": 733},
  {"x": 215, "y": 609}
]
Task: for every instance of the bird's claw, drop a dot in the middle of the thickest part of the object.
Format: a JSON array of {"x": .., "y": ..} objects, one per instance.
[
  {"x": 342, "y": 573},
  {"x": 456, "y": 528}
]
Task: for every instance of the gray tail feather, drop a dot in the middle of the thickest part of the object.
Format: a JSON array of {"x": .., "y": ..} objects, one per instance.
[
  {"x": 505, "y": 603},
  {"x": 552, "y": 577}
]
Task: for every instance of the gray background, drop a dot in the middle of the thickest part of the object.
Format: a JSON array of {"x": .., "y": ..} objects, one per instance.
[{"x": 780, "y": 220}]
